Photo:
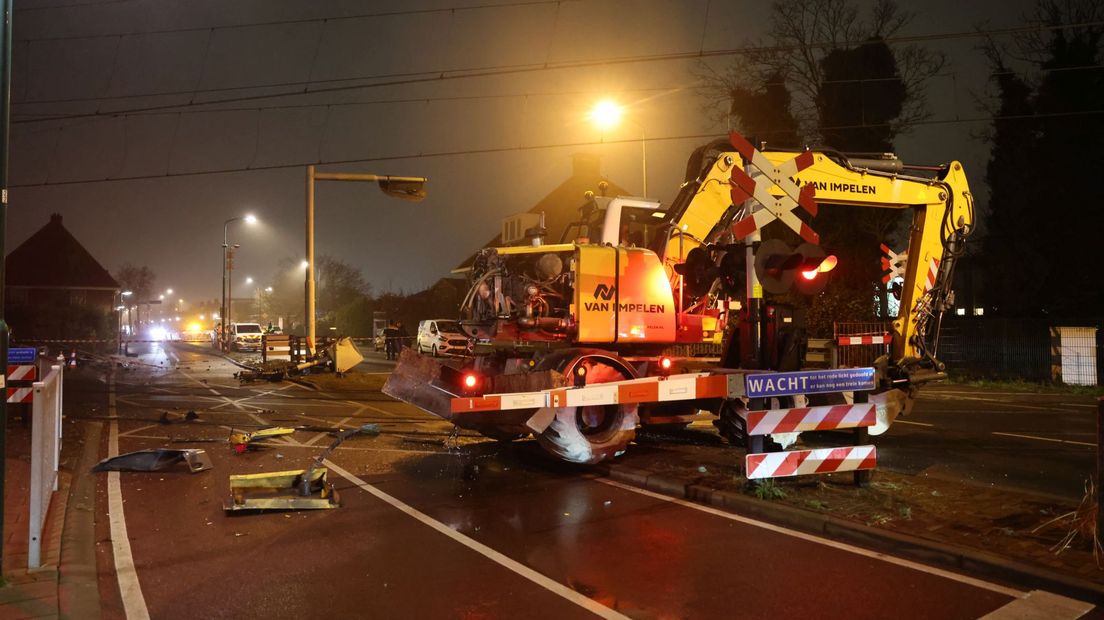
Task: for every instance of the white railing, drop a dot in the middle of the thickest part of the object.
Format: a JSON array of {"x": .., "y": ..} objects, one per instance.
[{"x": 45, "y": 456}]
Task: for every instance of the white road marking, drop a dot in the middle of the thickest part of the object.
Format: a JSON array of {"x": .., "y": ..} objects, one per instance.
[
  {"x": 1055, "y": 408},
  {"x": 1050, "y": 439},
  {"x": 134, "y": 604},
  {"x": 139, "y": 429},
  {"x": 900, "y": 421},
  {"x": 552, "y": 585},
  {"x": 978, "y": 583},
  {"x": 1041, "y": 605}
]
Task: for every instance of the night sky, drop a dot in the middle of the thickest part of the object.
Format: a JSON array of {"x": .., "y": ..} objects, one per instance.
[{"x": 531, "y": 121}]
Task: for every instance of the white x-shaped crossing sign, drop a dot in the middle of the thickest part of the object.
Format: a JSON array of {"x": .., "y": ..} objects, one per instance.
[{"x": 771, "y": 207}]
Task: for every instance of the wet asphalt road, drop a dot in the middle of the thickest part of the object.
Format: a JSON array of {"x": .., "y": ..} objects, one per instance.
[{"x": 476, "y": 530}]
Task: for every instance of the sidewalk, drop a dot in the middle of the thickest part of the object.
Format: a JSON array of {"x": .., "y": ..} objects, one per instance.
[{"x": 28, "y": 593}]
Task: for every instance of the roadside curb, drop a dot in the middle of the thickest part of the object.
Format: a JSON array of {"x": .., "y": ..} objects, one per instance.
[
  {"x": 78, "y": 583},
  {"x": 901, "y": 545}
]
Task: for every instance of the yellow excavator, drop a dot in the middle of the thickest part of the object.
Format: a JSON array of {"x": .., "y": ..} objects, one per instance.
[{"x": 633, "y": 282}]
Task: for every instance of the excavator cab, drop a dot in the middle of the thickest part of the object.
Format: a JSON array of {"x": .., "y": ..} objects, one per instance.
[{"x": 621, "y": 221}]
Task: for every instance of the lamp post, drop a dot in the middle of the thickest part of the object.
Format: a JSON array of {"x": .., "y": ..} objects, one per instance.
[
  {"x": 607, "y": 114},
  {"x": 119, "y": 318},
  {"x": 406, "y": 188},
  {"x": 228, "y": 265}
]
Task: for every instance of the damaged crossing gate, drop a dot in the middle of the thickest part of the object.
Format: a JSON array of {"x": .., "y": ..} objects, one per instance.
[{"x": 732, "y": 385}]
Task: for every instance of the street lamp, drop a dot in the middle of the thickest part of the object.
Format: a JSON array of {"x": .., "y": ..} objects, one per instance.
[
  {"x": 119, "y": 307},
  {"x": 227, "y": 266},
  {"x": 608, "y": 114},
  {"x": 406, "y": 188}
]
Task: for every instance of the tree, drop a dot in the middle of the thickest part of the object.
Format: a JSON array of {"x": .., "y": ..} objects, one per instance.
[
  {"x": 139, "y": 281},
  {"x": 1046, "y": 212},
  {"x": 829, "y": 75},
  {"x": 340, "y": 295}
]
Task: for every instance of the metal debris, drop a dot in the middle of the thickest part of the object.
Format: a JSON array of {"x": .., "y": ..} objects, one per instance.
[
  {"x": 281, "y": 490},
  {"x": 158, "y": 459}
]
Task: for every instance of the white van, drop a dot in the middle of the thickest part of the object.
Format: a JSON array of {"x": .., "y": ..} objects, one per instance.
[
  {"x": 441, "y": 337},
  {"x": 245, "y": 336}
]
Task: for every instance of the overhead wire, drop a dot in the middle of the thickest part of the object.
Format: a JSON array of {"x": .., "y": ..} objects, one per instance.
[
  {"x": 281, "y": 22},
  {"x": 507, "y": 149},
  {"x": 431, "y": 99},
  {"x": 409, "y": 78}
]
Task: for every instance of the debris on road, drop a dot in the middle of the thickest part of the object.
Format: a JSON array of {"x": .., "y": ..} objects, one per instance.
[
  {"x": 281, "y": 490},
  {"x": 191, "y": 416},
  {"x": 242, "y": 441},
  {"x": 158, "y": 459},
  {"x": 295, "y": 489}
]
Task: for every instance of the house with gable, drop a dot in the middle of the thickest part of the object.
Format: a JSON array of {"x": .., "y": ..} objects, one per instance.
[{"x": 56, "y": 290}]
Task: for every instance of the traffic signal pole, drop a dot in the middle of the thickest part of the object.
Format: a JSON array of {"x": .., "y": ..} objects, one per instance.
[{"x": 5, "y": 115}]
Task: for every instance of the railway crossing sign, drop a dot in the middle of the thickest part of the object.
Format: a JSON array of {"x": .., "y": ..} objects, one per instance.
[
  {"x": 772, "y": 207},
  {"x": 893, "y": 264}
]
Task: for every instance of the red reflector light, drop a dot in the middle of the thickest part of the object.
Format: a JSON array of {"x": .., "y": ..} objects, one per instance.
[
  {"x": 470, "y": 380},
  {"x": 665, "y": 363}
]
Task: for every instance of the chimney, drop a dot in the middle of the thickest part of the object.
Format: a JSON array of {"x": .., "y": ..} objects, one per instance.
[
  {"x": 586, "y": 166},
  {"x": 55, "y": 218}
]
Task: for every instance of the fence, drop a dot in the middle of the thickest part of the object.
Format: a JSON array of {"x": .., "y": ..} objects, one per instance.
[
  {"x": 1037, "y": 350},
  {"x": 859, "y": 344},
  {"x": 45, "y": 455}
]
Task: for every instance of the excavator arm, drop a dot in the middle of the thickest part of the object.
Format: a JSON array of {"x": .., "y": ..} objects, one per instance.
[{"x": 942, "y": 218}]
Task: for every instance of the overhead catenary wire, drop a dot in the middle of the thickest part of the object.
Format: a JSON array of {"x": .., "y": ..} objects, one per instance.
[
  {"x": 274, "y": 22},
  {"x": 509, "y": 149},
  {"x": 486, "y": 96},
  {"x": 421, "y": 77}
]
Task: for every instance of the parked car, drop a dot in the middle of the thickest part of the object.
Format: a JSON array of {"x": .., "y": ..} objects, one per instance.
[
  {"x": 441, "y": 337},
  {"x": 245, "y": 336}
]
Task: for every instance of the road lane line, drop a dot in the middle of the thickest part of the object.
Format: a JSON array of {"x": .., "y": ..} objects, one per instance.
[
  {"x": 139, "y": 429},
  {"x": 552, "y": 585},
  {"x": 1050, "y": 439},
  {"x": 134, "y": 604},
  {"x": 978, "y": 583},
  {"x": 913, "y": 423}
]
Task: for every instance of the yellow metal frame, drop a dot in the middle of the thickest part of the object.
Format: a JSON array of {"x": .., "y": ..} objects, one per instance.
[{"x": 929, "y": 199}]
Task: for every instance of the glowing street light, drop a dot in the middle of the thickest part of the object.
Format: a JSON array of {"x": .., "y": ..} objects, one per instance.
[{"x": 608, "y": 114}]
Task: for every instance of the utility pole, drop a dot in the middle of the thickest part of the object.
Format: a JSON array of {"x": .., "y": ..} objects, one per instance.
[{"x": 5, "y": 115}]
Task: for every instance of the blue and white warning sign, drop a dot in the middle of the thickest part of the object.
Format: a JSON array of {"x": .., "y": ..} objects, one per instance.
[
  {"x": 809, "y": 382},
  {"x": 21, "y": 355}
]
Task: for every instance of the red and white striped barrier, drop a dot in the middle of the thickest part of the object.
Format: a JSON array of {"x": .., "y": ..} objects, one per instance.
[
  {"x": 800, "y": 419},
  {"x": 25, "y": 373},
  {"x": 933, "y": 271},
  {"x": 844, "y": 341},
  {"x": 652, "y": 389},
  {"x": 819, "y": 461}
]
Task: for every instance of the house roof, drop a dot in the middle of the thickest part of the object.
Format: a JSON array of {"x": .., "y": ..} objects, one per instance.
[
  {"x": 561, "y": 205},
  {"x": 53, "y": 258}
]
